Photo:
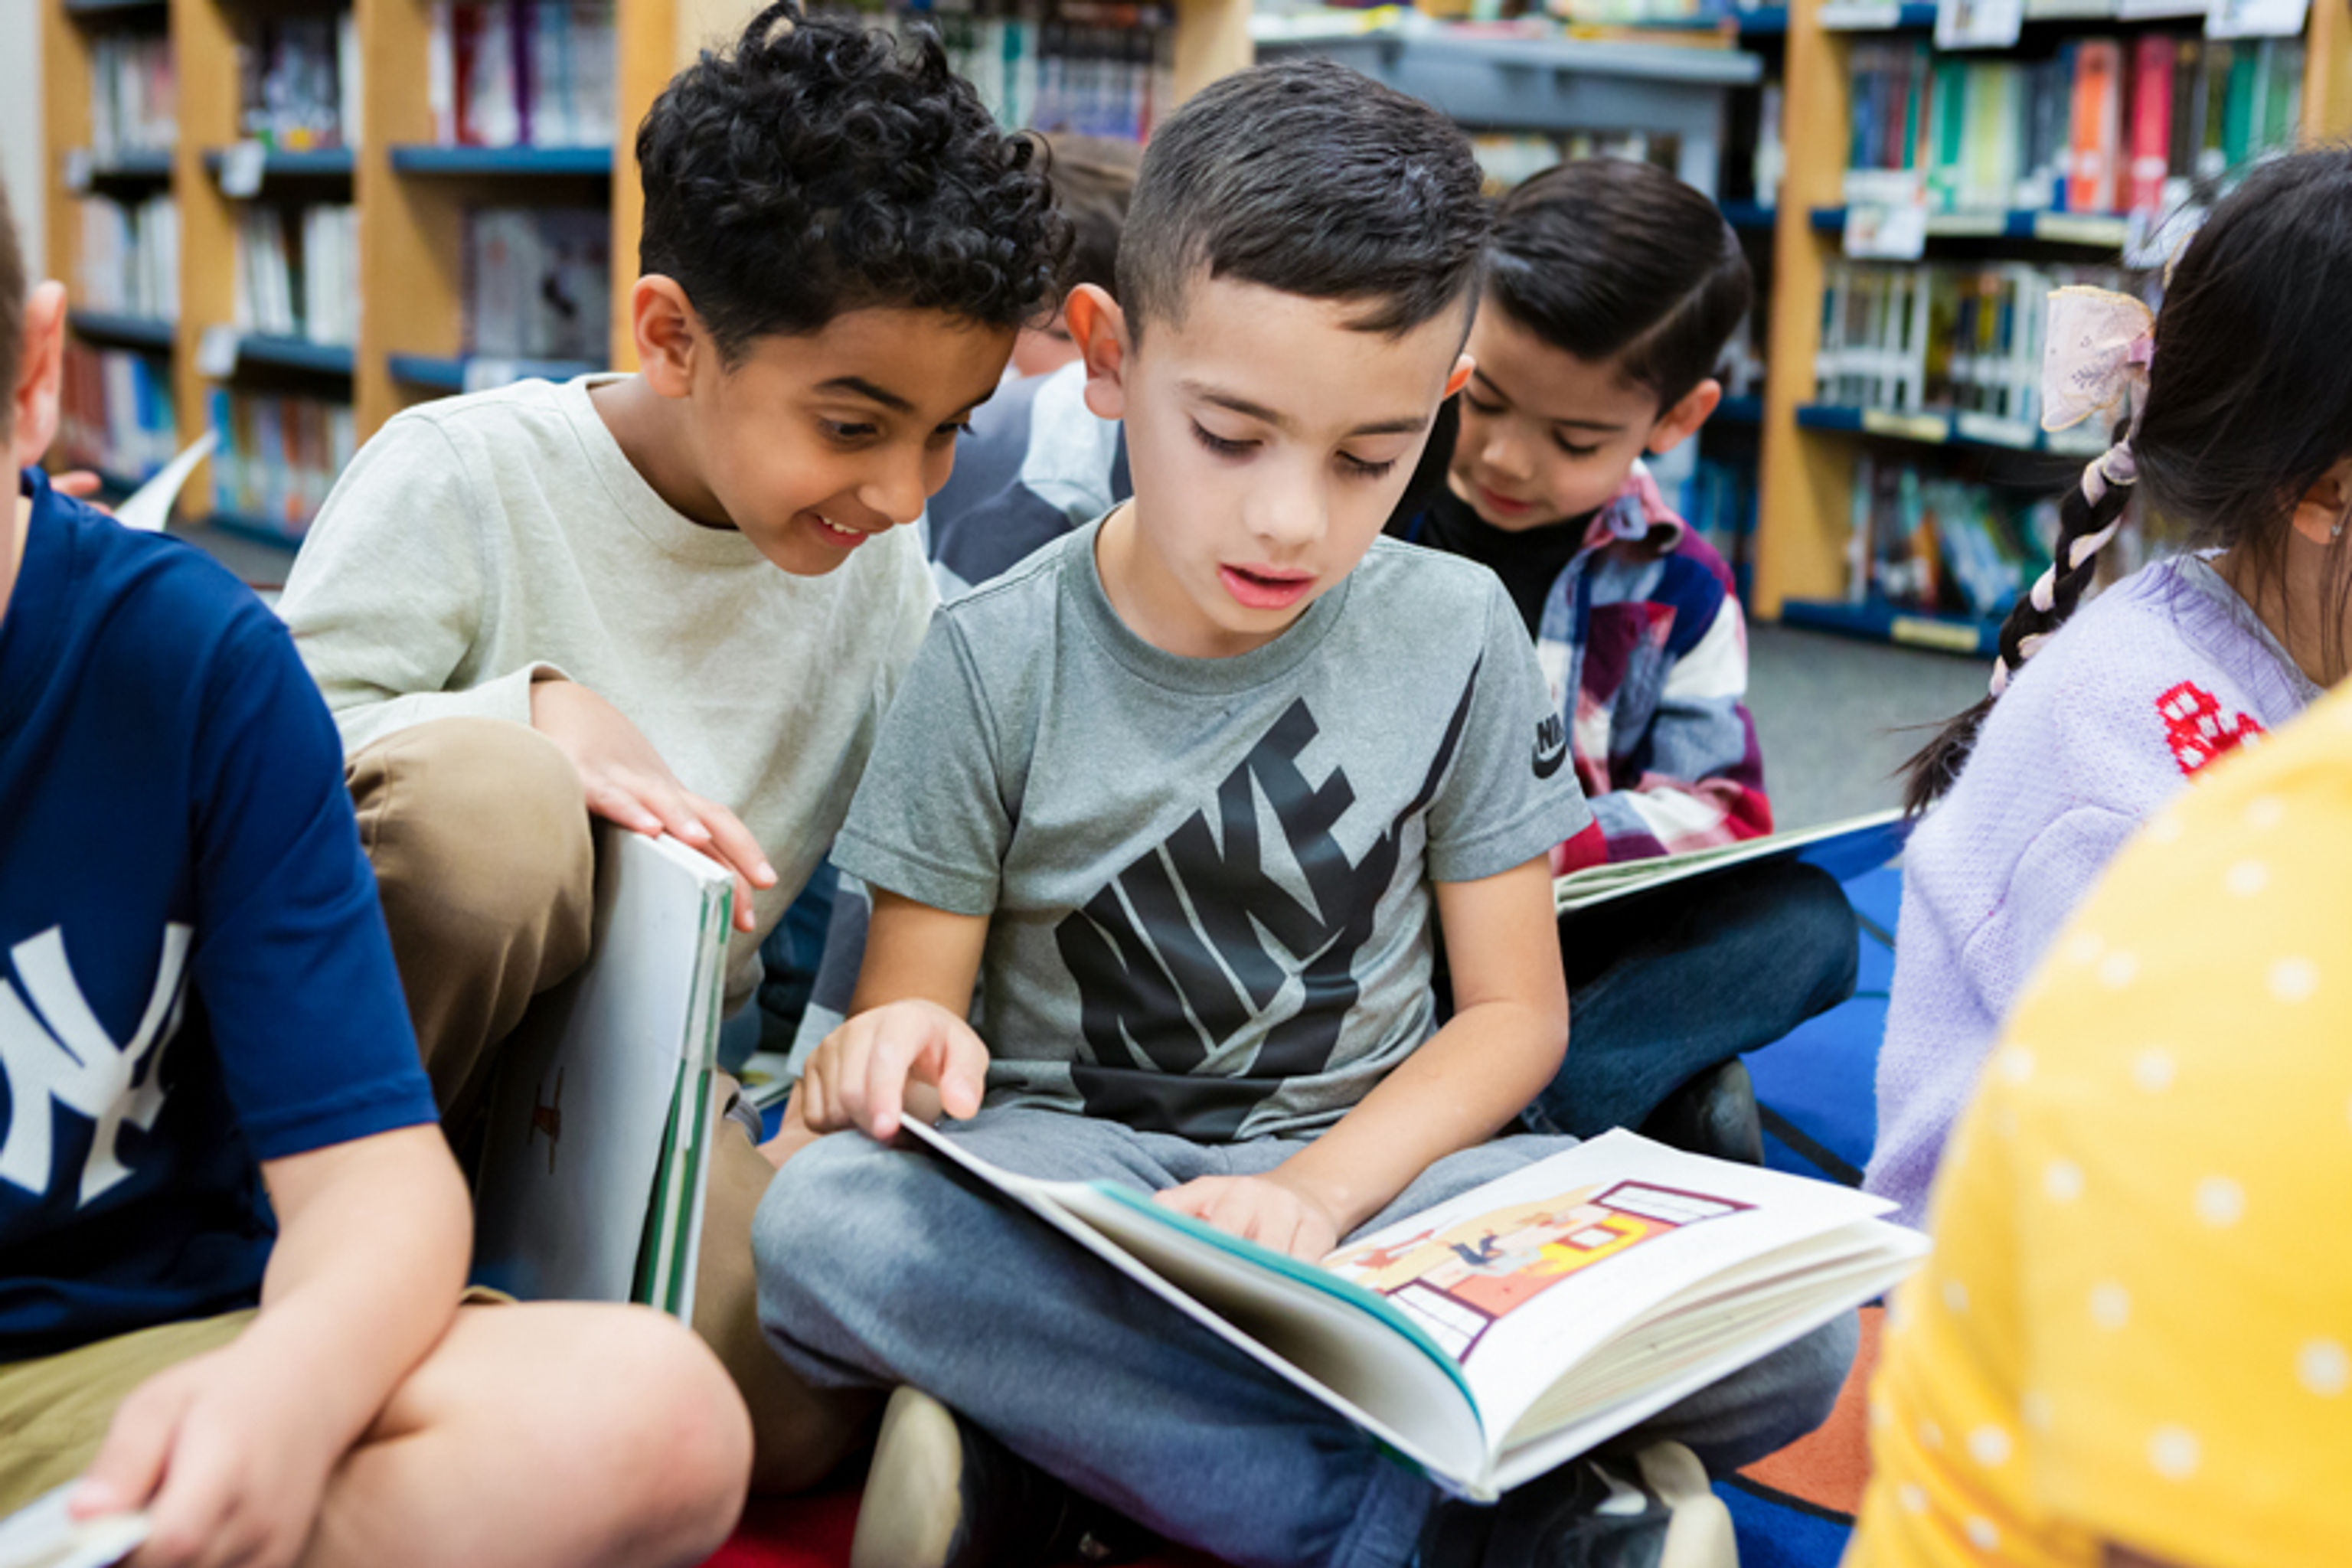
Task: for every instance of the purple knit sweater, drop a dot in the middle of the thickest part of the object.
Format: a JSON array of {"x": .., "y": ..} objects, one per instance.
[{"x": 2147, "y": 683}]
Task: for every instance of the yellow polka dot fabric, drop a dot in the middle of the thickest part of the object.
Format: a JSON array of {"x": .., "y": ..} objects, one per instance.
[{"x": 2137, "y": 1326}]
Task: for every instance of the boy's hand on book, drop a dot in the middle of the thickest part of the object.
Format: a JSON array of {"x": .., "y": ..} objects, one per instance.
[
  {"x": 628, "y": 783},
  {"x": 859, "y": 1074},
  {"x": 1264, "y": 1209},
  {"x": 222, "y": 1453}
]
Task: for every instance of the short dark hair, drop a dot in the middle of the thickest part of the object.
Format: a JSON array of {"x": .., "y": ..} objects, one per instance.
[
  {"x": 1618, "y": 262},
  {"x": 11, "y": 310},
  {"x": 1309, "y": 178},
  {"x": 820, "y": 167},
  {"x": 1094, "y": 180}
]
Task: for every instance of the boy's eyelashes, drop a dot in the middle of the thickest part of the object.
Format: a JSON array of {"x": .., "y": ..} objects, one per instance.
[
  {"x": 1483, "y": 404},
  {"x": 1572, "y": 449},
  {"x": 1224, "y": 448},
  {"x": 856, "y": 432}
]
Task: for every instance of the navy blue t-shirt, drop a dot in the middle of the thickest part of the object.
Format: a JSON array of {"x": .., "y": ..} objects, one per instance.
[{"x": 194, "y": 970}]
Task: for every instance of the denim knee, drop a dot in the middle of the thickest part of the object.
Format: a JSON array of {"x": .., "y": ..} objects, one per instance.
[{"x": 1823, "y": 938}]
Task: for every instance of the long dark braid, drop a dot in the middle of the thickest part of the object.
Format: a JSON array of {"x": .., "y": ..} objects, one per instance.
[{"x": 2087, "y": 519}]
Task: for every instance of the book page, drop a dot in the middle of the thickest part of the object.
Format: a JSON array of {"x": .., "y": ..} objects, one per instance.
[{"x": 1526, "y": 1277}]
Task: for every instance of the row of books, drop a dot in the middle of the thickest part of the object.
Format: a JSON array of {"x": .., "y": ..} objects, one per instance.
[
  {"x": 134, "y": 95},
  {"x": 2101, "y": 125},
  {"x": 299, "y": 81},
  {"x": 1948, "y": 337},
  {"x": 114, "y": 413},
  {"x": 279, "y": 456},
  {"x": 1925, "y": 541},
  {"x": 1719, "y": 501},
  {"x": 1096, "y": 78},
  {"x": 297, "y": 271},
  {"x": 522, "y": 73},
  {"x": 539, "y": 283},
  {"x": 129, "y": 258}
]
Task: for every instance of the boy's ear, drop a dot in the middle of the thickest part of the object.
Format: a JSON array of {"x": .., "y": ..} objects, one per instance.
[
  {"x": 2321, "y": 514},
  {"x": 1461, "y": 376},
  {"x": 33, "y": 401},
  {"x": 1680, "y": 423},
  {"x": 1099, "y": 329},
  {"x": 669, "y": 334}
]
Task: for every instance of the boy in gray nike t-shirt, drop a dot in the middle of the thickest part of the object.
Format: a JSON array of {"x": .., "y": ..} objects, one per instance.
[{"x": 1182, "y": 798}]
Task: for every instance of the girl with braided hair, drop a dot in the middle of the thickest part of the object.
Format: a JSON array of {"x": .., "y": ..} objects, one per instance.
[{"x": 2234, "y": 422}]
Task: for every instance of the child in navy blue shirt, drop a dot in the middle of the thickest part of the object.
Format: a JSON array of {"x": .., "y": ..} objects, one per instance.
[{"x": 236, "y": 1241}]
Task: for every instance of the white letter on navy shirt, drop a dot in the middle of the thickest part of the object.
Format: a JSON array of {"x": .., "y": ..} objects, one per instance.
[{"x": 76, "y": 1064}]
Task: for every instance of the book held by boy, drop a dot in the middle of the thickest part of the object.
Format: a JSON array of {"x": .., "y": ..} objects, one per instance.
[
  {"x": 1843, "y": 850},
  {"x": 1492, "y": 1338},
  {"x": 595, "y": 1164}
]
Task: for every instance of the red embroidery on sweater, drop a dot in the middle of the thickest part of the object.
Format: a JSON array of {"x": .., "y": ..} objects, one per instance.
[{"x": 2195, "y": 730}]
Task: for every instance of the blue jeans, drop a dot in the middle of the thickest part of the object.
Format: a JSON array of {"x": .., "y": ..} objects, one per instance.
[
  {"x": 880, "y": 1266},
  {"x": 1664, "y": 985}
]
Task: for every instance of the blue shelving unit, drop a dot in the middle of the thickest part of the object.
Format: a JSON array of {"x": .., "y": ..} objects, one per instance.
[
  {"x": 1938, "y": 429},
  {"x": 502, "y": 160},
  {"x": 448, "y": 374},
  {"x": 334, "y": 163},
  {"x": 1746, "y": 215},
  {"x": 133, "y": 166},
  {"x": 136, "y": 332},
  {"x": 1738, "y": 411},
  {"x": 1876, "y": 621},
  {"x": 1763, "y": 21},
  {"x": 110, "y": 8},
  {"x": 2103, "y": 230},
  {"x": 1868, "y": 17},
  {"x": 294, "y": 353}
]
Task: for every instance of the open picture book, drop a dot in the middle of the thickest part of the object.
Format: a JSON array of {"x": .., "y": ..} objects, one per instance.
[
  {"x": 1843, "y": 850},
  {"x": 596, "y": 1164},
  {"x": 1492, "y": 1338}
]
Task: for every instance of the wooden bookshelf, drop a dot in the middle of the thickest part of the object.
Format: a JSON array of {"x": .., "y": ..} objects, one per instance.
[
  {"x": 411, "y": 195},
  {"x": 1808, "y": 449}
]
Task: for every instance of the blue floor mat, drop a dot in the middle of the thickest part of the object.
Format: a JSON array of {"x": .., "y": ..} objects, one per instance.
[{"x": 1816, "y": 1085}]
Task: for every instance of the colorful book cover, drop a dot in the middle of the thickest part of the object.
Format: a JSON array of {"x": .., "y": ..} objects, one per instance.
[{"x": 2091, "y": 179}]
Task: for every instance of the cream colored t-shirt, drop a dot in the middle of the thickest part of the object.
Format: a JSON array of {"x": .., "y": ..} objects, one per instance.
[{"x": 477, "y": 540}]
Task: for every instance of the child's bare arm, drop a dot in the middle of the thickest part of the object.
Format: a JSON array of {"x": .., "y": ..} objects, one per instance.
[
  {"x": 906, "y": 1049},
  {"x": 1504, "y": 1043},
  {"x": 231, "y": 1452}
]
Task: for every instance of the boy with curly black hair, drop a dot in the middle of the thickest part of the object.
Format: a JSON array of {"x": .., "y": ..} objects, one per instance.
[{"x": 679, "y": 599}]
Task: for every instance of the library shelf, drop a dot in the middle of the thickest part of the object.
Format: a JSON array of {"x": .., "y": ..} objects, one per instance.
[
  {"x": 295, "y": 353},
  {"x": 260, "y": 531},
  {"x": 137, "y": 332},
  {"x": 1761, "y": 21},
  {"x": 1748, "y": 214},
  {"x": 111, "y": 9},
  {"x": 1874, "y": 15},
  {"x": 454, "y": 373},
  {"x": 1933, "y": 430},
  {"x": 1877, "y": 621},
  {"x": 140, "y": 165},
  {"x": 1742, "y": 411},
  {"x": 327, "y": 163},
  {"x": 2106, "y": 231},
  {"x": 425, "y": 158}
]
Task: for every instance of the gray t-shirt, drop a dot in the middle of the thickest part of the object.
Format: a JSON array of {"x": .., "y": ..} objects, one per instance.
[{"x": 1209, "y": 878}]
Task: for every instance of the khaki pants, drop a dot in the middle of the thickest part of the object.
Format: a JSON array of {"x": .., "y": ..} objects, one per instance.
[
  {"x": 54, "y": 1411},
  {"x": 479, "y": 837}
]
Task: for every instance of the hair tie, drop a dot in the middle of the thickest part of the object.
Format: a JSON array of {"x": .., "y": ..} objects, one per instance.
[{"x": 2094, "y": 353}]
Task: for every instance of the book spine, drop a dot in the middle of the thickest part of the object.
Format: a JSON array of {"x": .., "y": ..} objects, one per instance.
[
  {"x": 2240, "y": 110},
  {"x": 2151, "y": 138},
  {"x": 2091, "y": 183}
]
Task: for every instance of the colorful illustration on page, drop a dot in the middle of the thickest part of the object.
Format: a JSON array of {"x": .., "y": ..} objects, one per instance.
[{"x": 1459, "y": 1282}]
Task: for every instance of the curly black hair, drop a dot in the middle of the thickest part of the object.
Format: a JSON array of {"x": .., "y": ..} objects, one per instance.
[{"x": 820, "y": 166}]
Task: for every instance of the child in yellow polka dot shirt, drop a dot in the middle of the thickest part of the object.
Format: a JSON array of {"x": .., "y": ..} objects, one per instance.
[{"x": 2136, "y": 1329}]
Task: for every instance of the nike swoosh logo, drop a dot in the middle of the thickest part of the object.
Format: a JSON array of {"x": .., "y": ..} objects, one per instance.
[{"x": 1548, "y": 761}]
